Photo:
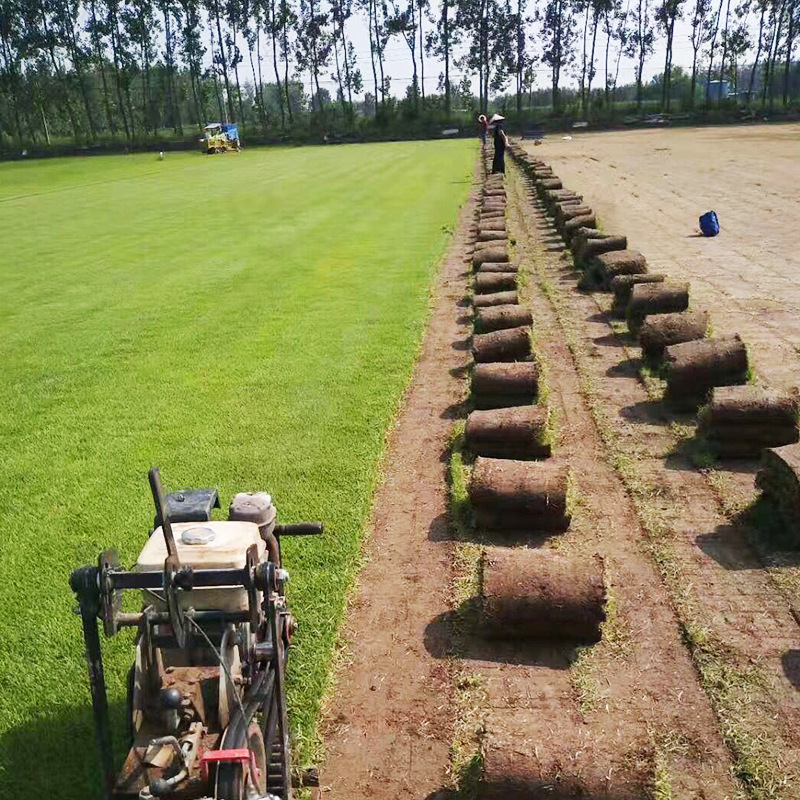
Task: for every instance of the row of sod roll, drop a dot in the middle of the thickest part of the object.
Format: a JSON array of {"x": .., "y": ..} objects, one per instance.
[
  {"x": 520, "y": 493},
  {"x": 703, "y": 374}
]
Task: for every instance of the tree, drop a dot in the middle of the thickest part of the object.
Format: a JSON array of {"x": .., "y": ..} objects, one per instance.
[
  {"x": 558, "y": 36},
  {"x": 403, "y": 23},
  {"x": 666, "y": 15},
  {"x": 699, "y": 23},
  {"x": 641, "y": 42},
  {"x": 439, "y": 44}
]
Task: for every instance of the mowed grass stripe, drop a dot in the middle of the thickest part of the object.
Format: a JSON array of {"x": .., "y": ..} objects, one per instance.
[{"x": 246, "y": 322}]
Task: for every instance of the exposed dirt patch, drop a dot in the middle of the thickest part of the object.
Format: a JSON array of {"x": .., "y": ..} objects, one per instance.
[
  {"x": 635, "y": 695},
  {"x": 736, "y": 617},
  {"x": 389, "y": 727}
]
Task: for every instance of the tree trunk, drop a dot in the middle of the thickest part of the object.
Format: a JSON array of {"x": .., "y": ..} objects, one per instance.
[
  {"x": 99, "y": 58},
  {"x": 273, "y": 30},
  {"x": 69, "y": 24},
  {"x": 61, "y": 79},
  {"x": 583, "y": 63},
  {"x": 216, "y": 79},
  {"x": 421, "y": 55},
  {"x": 446, "y": 49},
  {"x": 372, "y": 53},
  {"x": 607, "y": 26},
  {"x": 286, "y": 65},
  {"x": 224, "y": 62},
  {"x": 117, "y": 81},
  {"x": 342, "y": 101},
  {"x": 788, "y": 62},
  {"x": 347, "y": 77},
  {"x": 759, "y": 47},
  {"x": 711, "y": 52},
  {"x": 724, "y": 47},
  {"x": 595, "y": 17}
]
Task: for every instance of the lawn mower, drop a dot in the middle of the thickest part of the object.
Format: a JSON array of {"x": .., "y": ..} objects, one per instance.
[
  {"x": 220, "y": 137},
  {"x": 206, "y": 693}
]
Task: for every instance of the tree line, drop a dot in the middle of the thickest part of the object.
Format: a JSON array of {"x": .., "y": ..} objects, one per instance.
[{"x": 86, "y": 70}]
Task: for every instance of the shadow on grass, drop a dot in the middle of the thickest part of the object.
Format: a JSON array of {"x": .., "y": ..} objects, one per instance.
[{"x": 55, "y": 755}]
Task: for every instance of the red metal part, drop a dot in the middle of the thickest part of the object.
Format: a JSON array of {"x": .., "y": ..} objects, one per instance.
[{"x": 240, "y": 754}]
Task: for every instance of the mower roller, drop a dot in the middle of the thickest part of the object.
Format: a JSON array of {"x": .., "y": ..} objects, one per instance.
[{"x": 207, "y": 711}]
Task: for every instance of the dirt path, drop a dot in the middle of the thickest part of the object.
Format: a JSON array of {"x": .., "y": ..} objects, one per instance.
[
  {"x": 736, "y": 618},
  {"x": 389, "y": 728}
]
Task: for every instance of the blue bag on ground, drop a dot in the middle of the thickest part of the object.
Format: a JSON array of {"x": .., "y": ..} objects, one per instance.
[{"x": 709, "y": 224}]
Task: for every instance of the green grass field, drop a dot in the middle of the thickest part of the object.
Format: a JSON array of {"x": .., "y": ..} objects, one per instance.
[{"x": 246, "y": 322}]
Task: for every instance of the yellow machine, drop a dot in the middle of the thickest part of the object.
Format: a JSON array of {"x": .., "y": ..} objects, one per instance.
[{"x": 220, "y": 138}]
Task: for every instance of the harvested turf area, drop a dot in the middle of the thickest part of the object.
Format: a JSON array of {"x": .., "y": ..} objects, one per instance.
[{"x": 245, "y": 322}]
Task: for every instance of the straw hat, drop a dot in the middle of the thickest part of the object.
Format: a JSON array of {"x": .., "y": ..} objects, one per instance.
[{"x": 496, "y": 118}]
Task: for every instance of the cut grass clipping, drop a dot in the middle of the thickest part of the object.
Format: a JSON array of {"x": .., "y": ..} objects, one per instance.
[{"x": 246, "y": 322}]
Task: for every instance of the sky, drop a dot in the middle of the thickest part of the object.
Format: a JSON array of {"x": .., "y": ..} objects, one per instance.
[{"x": 397, "y": 62}]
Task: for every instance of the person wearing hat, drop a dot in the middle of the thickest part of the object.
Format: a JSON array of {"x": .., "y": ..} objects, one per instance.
[
  {"x": 483, "y": 128},
  {"x": 500, "y": 144}
]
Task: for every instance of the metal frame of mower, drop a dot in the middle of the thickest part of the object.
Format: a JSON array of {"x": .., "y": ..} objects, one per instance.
[{"x": 250, "y": 757}]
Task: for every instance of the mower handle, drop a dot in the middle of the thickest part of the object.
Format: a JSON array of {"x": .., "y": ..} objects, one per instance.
[{"x": 300, "y": 529}]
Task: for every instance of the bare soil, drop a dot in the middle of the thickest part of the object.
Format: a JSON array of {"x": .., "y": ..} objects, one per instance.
[
  {"x": 634, "y": 698},
  {"x": 652, "y": 186},
  {"x": 736, "y": 597},
  {"x": 389, "y": 727}
]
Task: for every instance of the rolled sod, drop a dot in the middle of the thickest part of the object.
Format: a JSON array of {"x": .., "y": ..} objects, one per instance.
[
  {"x": 520, "y": 495},
  {"x": 577, "y": 763},
  {"x": 491, "y": 235},
  {"x": 583, "y": 235},
  {"x": 505, "y": 385},
  {"x": 655, "y": 298},
  {"x": 542, "y": 173},
  {"x": 519, "y": 433},
  {"x": 693, "y": 369},
  {"x": 592, "y": 246},
  {"x": 541, "y": 594},
  {"x": 564, "y": 211},
  {"x": 497, "y": 318},
  {"x": 751, "y": 405},
  {"x": 741, "y": 421},
  {"x": 489, "y": 254},
  {"x": 492, "y": 192},
  {"x": 498, "y": 266},
  {"x": 487, "y": 283},
  {"x": 491, "y": 244},
  {"x": 622, "y": 286},
  {"x": 493, "y": 224},
  {"x": 511, "y": 344},
  {"x": 495, "y": 299},
  {"x": 569, "y": 228},
  {"x": 778, "y": 478},
  {"x": 551, "y": 183},
  {"x": 552, "y": 196},
  {"x": 608, "y": 266},
  {"x": 663, "y": 330}
]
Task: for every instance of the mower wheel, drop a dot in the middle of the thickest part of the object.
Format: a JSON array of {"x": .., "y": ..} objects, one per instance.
[{"x": 231, "y": 781}]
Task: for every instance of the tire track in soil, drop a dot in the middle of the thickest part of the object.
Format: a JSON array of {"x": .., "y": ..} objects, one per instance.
[
  {"x": 735, "y": 598},
  {"x": 389, "y": 727},
  {"x": 642, "y": 687}
]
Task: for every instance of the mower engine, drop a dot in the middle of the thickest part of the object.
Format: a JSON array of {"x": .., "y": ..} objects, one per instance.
[{"x": 206, "y": 692}]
